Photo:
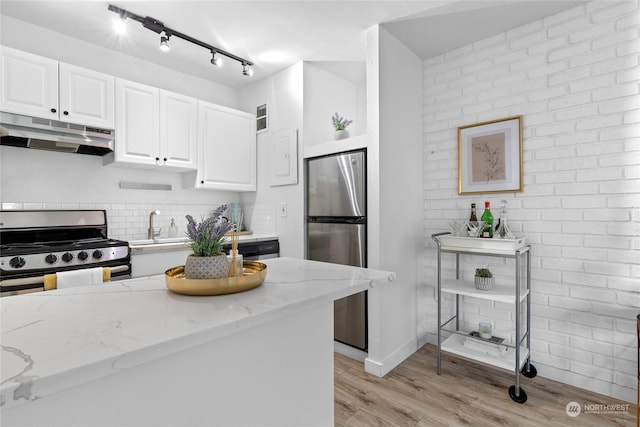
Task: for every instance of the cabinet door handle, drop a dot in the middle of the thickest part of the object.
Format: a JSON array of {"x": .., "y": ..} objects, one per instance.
[
  {"x": 201, "y": 182},
  {"x": 165, "y": 160},
  {"x": 53, "y": 110},
  {"x": 66, "y": 113},
  {"x": 157, "y": 160}
]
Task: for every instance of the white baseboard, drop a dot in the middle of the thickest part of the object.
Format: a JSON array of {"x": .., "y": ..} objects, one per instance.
[
  {"x": 587, "y": 383},
  {"x": 380, "y": 368},
  {"x": 351, "y": 352}
]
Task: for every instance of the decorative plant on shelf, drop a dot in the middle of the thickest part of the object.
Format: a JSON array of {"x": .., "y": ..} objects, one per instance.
[
  {"x": 340, "y": 124},
  {"x": 483, "y": 272},
  {"x": 206, "y": 238},
  {"x": 483, "y": 279}
]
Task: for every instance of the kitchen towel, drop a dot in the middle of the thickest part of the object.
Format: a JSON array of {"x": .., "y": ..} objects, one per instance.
[{"x": 69, "y": 279}]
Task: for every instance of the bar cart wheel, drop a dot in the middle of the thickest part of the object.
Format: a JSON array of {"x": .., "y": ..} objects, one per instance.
[
  {"x": 531, "y": 373},
  {"x": 518, "y": 399}
]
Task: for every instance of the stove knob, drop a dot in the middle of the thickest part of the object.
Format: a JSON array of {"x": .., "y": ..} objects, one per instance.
[
  {"x": 83, "y": 255},
  {"x": 51, "y": 258},
  {"x": 97, "y": 254},
  {"x": 17, "y": 262},
  {"x": 67, "y": 257}
]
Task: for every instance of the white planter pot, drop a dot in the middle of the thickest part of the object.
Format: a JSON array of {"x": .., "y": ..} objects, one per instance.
[
  {"x": 341, "y": 134},
  {"x": 484, "y": 283},
  {"x": 206, "y": 267}
]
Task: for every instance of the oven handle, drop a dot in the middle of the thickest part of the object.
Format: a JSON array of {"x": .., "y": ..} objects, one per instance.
[{"x": 40, "y": 279}]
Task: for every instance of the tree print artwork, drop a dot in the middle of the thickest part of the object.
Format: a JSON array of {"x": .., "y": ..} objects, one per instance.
[{"x": 488, "y": 158}]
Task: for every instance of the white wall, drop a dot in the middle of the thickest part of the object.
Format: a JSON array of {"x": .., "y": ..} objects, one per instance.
[
  {"x": 34, "y": 179},
  {"x": 283, "y": 95},
  {"x": 325, "y": 94},
  {"x": 574, "y": 77},
  {"x": 395, "y": 192}
]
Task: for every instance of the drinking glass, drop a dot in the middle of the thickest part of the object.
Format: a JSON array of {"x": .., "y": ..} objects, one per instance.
[{"x": 475, "y": 228}]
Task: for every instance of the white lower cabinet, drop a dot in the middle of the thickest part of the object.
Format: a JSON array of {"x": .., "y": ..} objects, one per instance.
[
  {"x": 154, "y": 128},
  {"x": 226, "y": 150}
]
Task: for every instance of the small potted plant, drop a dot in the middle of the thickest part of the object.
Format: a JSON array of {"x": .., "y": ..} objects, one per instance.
[
  {"x": 207, "y": 261},
  {"x": 340, "y": 124},
  {"x": 483, "y": 279}
]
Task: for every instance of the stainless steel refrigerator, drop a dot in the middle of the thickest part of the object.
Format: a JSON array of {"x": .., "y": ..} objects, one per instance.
[{"x": 337, "y": 230}]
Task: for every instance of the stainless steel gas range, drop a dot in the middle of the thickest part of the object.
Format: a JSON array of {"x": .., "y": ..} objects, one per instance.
[{"x": 34, "y": 243}]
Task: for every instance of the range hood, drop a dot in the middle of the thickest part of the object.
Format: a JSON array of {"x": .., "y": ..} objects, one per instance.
[{"x": 45, "y": 134}]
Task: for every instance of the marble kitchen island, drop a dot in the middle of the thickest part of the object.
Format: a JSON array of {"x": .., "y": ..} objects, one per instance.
[{"x": 133, "y": 353}]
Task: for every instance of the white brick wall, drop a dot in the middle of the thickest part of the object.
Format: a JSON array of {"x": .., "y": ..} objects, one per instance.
[{"x": 575, "y": 79}]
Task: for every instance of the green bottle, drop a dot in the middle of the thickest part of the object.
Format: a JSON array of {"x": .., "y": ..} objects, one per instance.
[{"x": 487, "y": 218}]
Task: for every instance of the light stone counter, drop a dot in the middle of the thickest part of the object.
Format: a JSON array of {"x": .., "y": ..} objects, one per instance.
[{"x": 115, "y": 344}]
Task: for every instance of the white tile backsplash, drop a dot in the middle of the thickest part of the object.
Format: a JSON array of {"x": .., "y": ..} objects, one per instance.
[
  {"x": 261, "y": 218},
  {"x": 131, "y": 221}
]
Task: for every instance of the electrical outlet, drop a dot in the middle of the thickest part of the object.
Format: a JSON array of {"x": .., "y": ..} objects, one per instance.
[{"x": 283, "y": 210}]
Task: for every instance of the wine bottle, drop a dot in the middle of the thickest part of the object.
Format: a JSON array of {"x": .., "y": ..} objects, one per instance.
[
  {"x": 473, "y": 219},
  {"x": 487, "y": 218}
]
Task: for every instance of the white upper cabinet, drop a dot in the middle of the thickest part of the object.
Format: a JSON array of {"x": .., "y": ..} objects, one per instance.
[
  {"x": 29, "y": 84},
  {"x": 226, "y": 149},
  {"x": 41, "y": 87},
  {"x": 137, "y": 123},
  {"x": 86, "y": 96},
  {"x": 154, "y": 128},
  {"x": 178, "y": 129}
]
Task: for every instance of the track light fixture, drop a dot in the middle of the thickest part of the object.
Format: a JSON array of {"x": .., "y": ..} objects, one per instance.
[
  {"x": 164, "y": 42},
  {"x": 216, "y": 60},
  {"x": 158, "y": 27},
  {"x": 119, "y": 25},
  {"x": 246, "y": 69}
]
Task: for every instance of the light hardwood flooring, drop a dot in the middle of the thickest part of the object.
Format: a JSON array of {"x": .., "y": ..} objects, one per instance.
[{"x": 466, "y": 394}]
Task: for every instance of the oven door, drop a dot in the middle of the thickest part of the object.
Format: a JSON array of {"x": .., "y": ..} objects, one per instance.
[{"x": 35, "y": 283}]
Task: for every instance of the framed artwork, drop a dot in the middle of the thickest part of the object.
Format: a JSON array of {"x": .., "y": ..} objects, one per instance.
[{"x": 490, "y": 156}]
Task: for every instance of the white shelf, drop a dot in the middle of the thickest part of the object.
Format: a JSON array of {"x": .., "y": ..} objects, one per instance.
[
  {"x": 483, "y": 251},
  {"x": 503, "y": 247},
  {"x": 454, "y": 345},
  {"x": 501, "y": 293},
  {"x": 332, "y": 147}
]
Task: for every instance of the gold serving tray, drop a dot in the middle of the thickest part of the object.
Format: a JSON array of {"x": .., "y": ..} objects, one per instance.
[{"x": 254, "y": 274}]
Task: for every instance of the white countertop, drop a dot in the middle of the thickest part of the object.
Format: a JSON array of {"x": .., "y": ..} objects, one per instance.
[
  {"x": 58, "y": 339},
  {"x": 178, "y": 243}
]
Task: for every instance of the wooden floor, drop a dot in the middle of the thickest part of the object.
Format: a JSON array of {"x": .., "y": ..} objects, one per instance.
[{"x": 466, "y": 394}]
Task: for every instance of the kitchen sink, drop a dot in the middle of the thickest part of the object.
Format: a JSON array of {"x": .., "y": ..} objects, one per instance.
[{"x": 157, "y": 241}]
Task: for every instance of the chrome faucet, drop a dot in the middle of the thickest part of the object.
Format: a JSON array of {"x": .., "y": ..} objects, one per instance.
[{"x": 152, "y": 233}]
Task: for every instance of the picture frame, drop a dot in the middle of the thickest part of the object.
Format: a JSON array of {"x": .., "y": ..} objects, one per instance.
[{"x": 490, "y": 156}]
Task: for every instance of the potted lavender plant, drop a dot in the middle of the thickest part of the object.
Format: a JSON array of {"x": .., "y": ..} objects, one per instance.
[
  {"x": 206, "y": 238},
  {"x": 340, "y": 125}
]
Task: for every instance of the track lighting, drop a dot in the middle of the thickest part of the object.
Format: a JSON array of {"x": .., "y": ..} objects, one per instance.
[
  {"x": 158, "y": 27},
  {"x": 216, "y": 60},
  {"x": 164, "y": 43},
  {"x": 246, "y": 69},
  {"x": 119, "y": 25}
]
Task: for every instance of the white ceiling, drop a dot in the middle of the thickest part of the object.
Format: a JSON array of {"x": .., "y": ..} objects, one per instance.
[{"x": 277, "y": 34}]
